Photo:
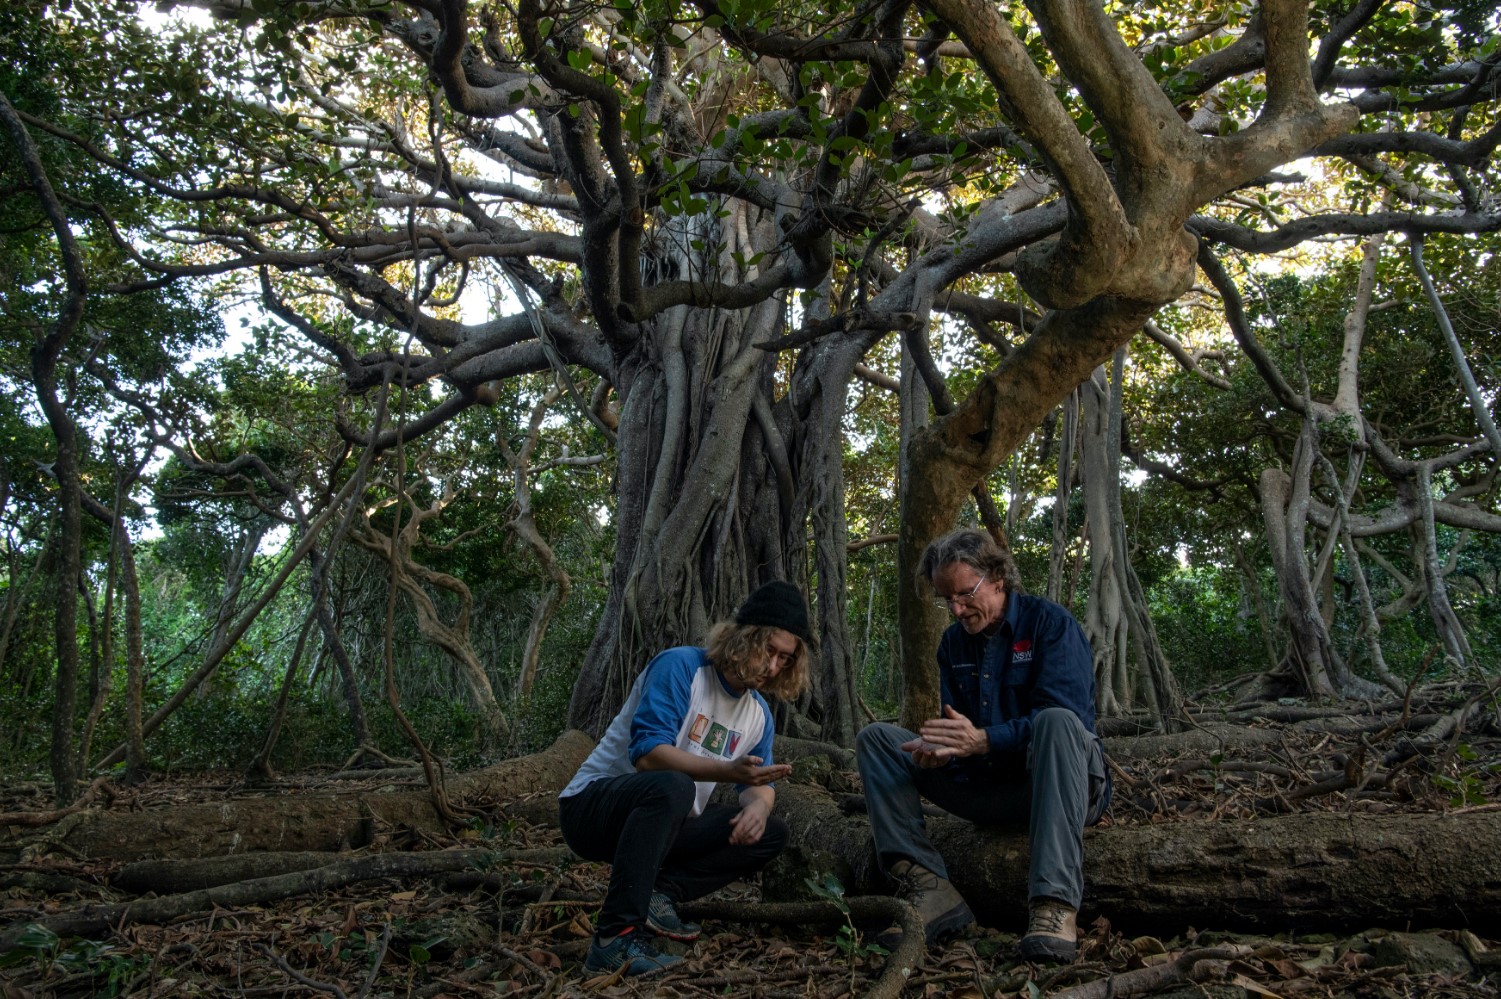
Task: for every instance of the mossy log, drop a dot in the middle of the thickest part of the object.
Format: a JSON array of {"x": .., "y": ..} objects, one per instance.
[{"x": 1307, "y": 870}]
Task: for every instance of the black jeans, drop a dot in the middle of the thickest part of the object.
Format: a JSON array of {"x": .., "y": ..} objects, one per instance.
[{"x": 639, "y": 824}]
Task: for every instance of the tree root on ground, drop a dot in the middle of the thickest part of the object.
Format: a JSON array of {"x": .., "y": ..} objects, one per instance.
[
  {"x": 93, "y": 919},
  {"x": 1192, "y": 966}
]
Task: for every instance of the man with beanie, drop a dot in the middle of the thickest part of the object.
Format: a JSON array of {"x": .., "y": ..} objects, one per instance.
[
  {"x": 1014, "y": 742},
  {"x": 694, "y": 717}
]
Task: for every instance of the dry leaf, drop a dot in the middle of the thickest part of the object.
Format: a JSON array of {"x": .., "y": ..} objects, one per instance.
[
  {"x": 1472, "y": 944},
  {"x": 1255, "y": 987},
  {"x": 1286, "y": 967},
  {"x": 1148, "y": 945}
]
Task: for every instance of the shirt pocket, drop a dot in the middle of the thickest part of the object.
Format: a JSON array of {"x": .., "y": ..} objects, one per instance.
[
  {"x": 1016, "y": 689},
  {"x": 964, "y": 681},
  {"x": 1016, "y": 675}
]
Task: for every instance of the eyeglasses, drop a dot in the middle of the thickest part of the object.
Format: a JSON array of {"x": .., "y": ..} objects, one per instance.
[{"x": 962, "y": 599}]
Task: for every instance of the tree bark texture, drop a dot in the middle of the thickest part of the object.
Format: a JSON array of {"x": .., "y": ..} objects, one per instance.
[
  {"x": 135, "y": 655},
  {"x": 1105, "y": 622},
  {"x": 685, "y": 490},
  {"x": 719, "y": 478},
  {"x": 1285, "y": 512},
  {"x": 1068, "y": 435},
  {"x": 304, "y": 822},
  {"x": 46, "y": 355},
  {"x": 1118, "y": 621},
  {"x": 817, "y": 407},
  {"x": 1307, "y": 870}
]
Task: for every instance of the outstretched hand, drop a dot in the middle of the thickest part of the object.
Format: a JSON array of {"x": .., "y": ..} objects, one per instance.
[
  {"x": 946, "y": 738},
  {"x": 748, "y": 771}
]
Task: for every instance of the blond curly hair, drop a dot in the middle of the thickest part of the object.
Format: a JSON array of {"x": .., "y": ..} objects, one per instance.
[{"x": 739, "y": 651}]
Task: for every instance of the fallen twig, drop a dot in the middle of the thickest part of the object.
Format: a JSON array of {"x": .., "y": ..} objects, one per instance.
[
  {"x": 899, "y": 965},
  {"x": 1144, "y": 980},
  {"x": 99, "y": 918}
]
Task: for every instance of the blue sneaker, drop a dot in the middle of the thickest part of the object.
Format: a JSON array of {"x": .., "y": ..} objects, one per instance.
[
  {"x": 662, "y": 919},
  {"x": 631, "y": 951}
]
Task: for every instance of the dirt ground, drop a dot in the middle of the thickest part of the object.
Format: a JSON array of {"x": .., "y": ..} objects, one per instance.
[{"x": 522, "y": 929}]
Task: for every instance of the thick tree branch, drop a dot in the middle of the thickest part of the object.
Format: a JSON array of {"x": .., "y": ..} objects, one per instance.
[
  {"x": 1342, "y": 224},
  {"x": 1097, "y": 234}
]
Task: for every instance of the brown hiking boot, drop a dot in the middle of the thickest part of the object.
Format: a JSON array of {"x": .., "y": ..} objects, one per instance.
[
  {"x": 942, "y": 908},
  {"x": 1052, "y": 932}
]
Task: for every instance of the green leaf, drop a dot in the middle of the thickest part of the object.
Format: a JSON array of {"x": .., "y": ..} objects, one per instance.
[{"x": 36, "y": 937}]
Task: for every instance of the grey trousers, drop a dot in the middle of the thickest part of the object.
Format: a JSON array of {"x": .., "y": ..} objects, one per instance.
[{"x": 1061, "y": 790}]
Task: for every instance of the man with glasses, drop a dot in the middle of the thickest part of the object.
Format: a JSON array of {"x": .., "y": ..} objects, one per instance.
[{"x": 1014, "y": 742}]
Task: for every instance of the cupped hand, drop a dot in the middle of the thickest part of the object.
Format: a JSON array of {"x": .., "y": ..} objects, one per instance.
[
  {"x": 927, "y": 755},
  {"x": 748, "y": 771}
]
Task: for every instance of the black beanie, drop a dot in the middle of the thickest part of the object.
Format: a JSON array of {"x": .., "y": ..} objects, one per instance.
[{"x": 777, "y": 605}]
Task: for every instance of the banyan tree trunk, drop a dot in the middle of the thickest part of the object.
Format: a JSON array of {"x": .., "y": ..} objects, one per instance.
[
  {"x": 1118, "y": 621},
  {"x": 697, "y": 513},
  {"x": 724, "y": 465},
  {"x": 1284, "y": 508}
]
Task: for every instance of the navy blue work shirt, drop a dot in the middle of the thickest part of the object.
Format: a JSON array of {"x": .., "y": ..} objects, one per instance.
[{"x": 1037, "y": 658}]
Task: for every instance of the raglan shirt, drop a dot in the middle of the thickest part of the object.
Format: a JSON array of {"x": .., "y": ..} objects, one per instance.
[
  {"x": 1037, "y": 658},
  {"x": 680, "y": 700}
]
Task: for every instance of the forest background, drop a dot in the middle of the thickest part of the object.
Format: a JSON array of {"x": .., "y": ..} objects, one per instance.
[{"x": 390, "y": 380}]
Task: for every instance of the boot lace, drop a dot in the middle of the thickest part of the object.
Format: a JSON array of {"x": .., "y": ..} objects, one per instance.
[
  {"x": 914, "y": 884},
  {"x": 1049, "y": 919}
]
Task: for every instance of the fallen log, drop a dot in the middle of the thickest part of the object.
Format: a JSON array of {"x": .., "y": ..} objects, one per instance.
[
  {"x": 1209, "y": 738},
  {"x": 173, "y": 877},
  {"x": 293, "y": 823},
  {"x": 1308, "y": 870},
  {"x": 93, "y": 919}
]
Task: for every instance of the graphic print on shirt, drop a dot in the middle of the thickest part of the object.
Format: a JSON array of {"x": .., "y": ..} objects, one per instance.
[
  {"x": 1021, "y": 652},
  {"x": 680, "y": 700},
  {"x": 721, "y": 741}
]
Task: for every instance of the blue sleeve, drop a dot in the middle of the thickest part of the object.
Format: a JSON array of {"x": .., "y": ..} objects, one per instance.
[
  {"x": 665, "y": 696},
  {"x": 763, "y": 748},
  {"x": 1062, "y": 677}
]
